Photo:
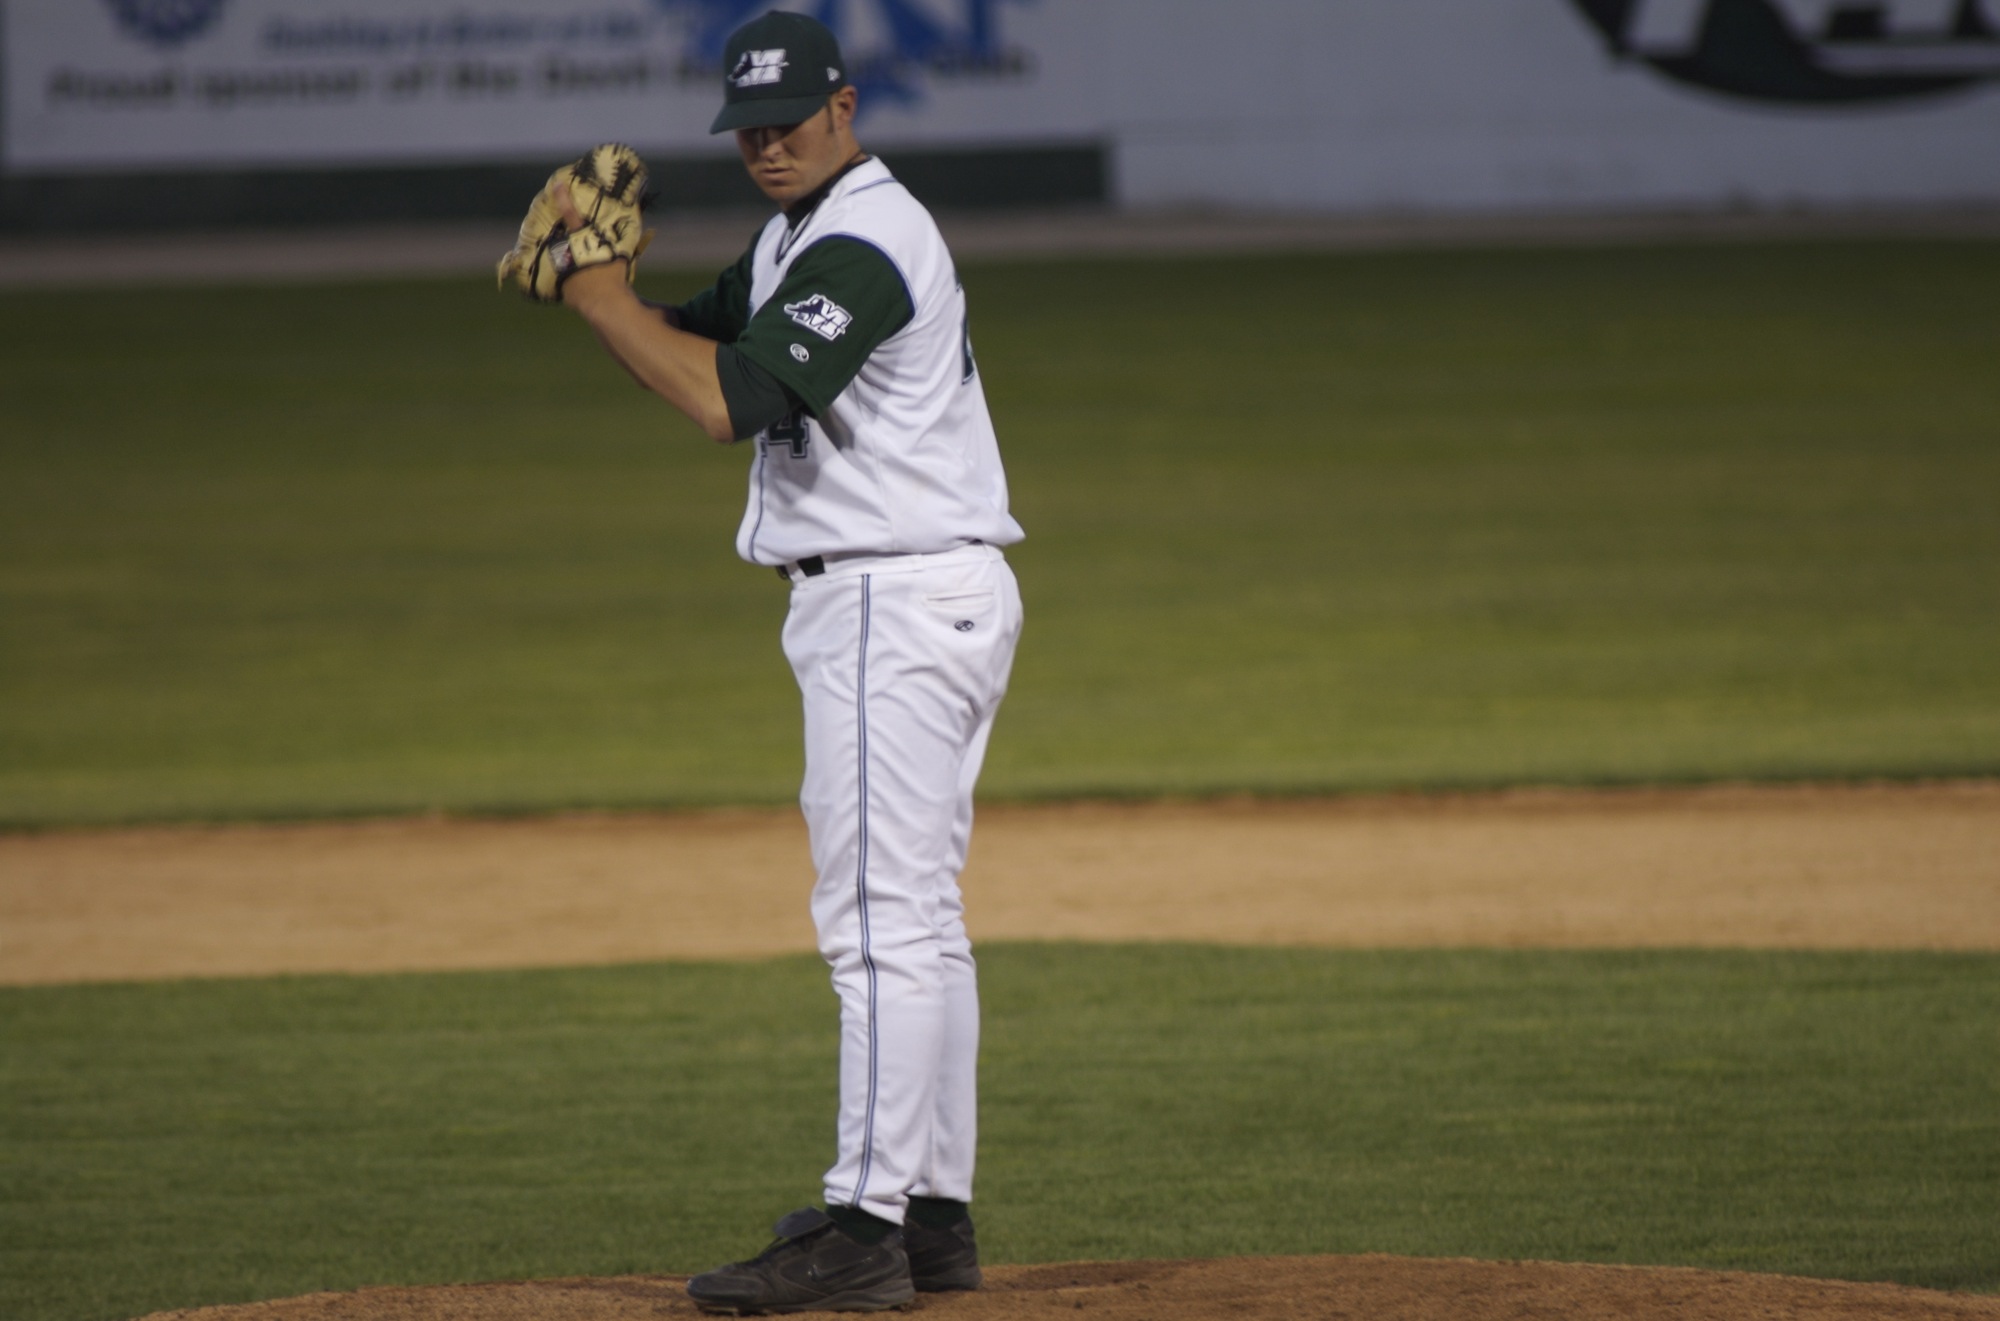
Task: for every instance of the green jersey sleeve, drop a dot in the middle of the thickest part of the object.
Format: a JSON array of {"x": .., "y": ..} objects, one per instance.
[
  {"x": 841, "y": 298},
  {"x": 720, "y": 311}
]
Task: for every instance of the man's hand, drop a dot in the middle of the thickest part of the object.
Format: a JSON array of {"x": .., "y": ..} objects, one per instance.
[
  {"x": 602, "y": 223},
  {"x": 611, "y": 279}
]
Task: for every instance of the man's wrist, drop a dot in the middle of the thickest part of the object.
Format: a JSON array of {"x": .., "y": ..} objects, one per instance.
[{"x": 592, "y": 287}]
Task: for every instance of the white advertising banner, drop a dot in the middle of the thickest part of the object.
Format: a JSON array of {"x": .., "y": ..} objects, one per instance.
[
  {"x": 165, "y": 84},
  {"x": 1368, "y": 105}
]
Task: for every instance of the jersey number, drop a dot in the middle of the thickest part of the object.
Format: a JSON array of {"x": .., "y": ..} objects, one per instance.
[{"x": 790, "y": 430}]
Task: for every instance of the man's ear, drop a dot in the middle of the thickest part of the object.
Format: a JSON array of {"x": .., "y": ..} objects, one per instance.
[{"x": 840, "y": 108}]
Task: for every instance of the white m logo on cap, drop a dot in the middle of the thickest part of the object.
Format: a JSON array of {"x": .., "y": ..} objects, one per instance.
[{"x": 758, "y": 68}]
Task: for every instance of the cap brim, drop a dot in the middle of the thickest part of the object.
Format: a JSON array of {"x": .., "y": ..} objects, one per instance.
[{"x": 765, "y": 112}]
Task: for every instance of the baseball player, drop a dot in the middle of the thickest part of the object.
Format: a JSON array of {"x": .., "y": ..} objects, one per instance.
[{"x": 837, "y": 347}]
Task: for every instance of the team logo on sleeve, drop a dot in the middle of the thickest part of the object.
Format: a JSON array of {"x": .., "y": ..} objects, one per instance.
[{"x": 821, "y": 315}]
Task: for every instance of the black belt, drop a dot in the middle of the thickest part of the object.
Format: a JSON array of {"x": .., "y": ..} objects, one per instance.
[{"x": 812, "y": 566}]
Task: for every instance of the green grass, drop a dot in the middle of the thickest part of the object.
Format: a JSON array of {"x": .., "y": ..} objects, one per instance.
[
  {"x": 1334, "y": 523},
  {"x": 1825, "y": 1114}
]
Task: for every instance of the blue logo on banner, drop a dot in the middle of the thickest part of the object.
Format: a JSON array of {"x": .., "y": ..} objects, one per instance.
[
  {"x": 886, "y": 56},
  {"x": 165, "y": 22}
]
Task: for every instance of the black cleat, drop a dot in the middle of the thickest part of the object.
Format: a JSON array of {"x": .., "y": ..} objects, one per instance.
[
  {"x": 942, "y": 1260},
  {"x": 812, "y": 1267}
]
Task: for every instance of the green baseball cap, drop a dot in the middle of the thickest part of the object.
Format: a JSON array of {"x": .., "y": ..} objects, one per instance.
[{"x": 778, "y": 69}]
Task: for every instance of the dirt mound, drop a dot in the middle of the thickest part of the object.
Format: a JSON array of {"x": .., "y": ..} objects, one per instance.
[{"x": 1378, "y": 1288}]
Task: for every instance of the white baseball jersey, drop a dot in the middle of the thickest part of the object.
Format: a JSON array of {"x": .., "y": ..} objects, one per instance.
[{"x": 857, "y": 310}]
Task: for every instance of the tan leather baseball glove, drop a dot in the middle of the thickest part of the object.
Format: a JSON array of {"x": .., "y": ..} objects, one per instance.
[{"x": 607, "y": 185}]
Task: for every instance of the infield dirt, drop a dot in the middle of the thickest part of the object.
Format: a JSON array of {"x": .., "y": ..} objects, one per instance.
[{"x": 1914, "y": 867}]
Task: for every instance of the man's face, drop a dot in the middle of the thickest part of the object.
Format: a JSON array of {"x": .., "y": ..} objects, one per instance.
[{"x": 791, "y": 160}]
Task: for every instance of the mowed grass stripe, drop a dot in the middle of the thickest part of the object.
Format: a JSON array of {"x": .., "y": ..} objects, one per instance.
[
  {"x": 1296, "y": 524},
  {"x": 1823, "y": 1114}
]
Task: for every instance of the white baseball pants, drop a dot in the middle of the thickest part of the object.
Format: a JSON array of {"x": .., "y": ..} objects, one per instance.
[{"x": 901, "y": 662}]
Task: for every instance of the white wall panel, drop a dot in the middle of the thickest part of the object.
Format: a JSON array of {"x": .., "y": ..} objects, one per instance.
[{"x": 1500, "y": 104}]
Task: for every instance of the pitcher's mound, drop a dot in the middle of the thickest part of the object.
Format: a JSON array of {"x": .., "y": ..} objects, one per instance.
[{"x": 1370, "y": 1288}]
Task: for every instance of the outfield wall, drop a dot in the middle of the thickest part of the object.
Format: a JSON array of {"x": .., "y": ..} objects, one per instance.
[
  {"x": 1558, "y": 105},
  {"x": 203, "y": 111}
]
